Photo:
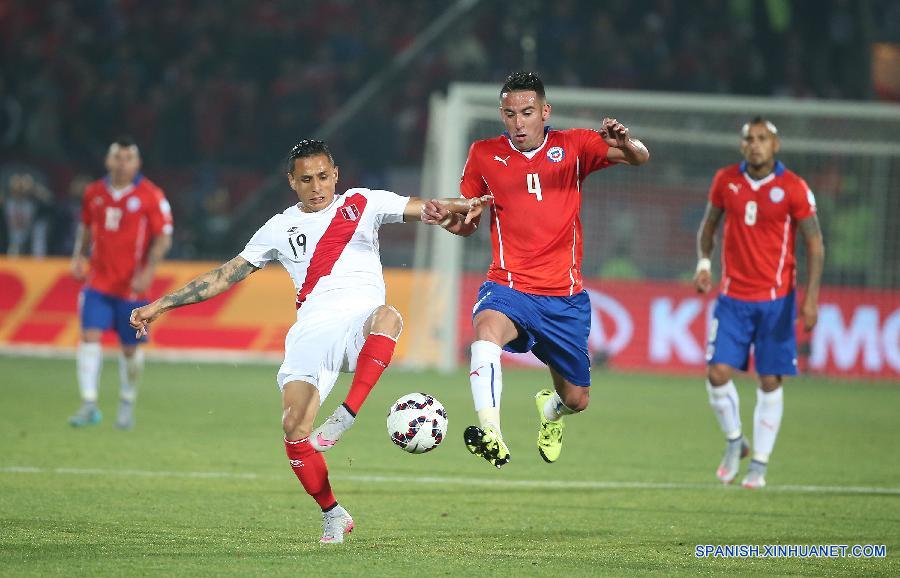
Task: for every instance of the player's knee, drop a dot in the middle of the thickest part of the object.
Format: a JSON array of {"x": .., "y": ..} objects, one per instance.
[
  {"x": 769, "y": 383},
  {"x": 718, "y": 374},
  {"x": 91, "y": 336},
  {"x": 577, "y": 398},
  {"x": 387, "y": 320},
  {"x": 294, "y": 428},
  {"x": 495, "y": 327}
]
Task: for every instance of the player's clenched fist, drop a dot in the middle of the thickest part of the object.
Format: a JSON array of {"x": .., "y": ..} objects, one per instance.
[
  {"x": 433, "y": 212},
  {"x": 142, "y": 317},
  {"x": 614, "y": 132},
  {"x": 703, "y": 281}
]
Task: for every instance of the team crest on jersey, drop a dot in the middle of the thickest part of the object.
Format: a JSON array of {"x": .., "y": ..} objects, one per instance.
[
  {"x": 133, "y": 204},
  {"x": 776, "y": 194},
  {"x": 350, "y": 212},
  {"x": 556, "y": 154}
]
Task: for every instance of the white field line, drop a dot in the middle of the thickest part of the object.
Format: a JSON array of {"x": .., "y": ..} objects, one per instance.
[{"x": 437, "y": 480}]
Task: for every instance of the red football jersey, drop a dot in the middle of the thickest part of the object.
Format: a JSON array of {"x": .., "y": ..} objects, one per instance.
[
  {"x": 758, "y": 260},
  {"x": 535, "y": 217},
  {"x": 122, "y": 224}
]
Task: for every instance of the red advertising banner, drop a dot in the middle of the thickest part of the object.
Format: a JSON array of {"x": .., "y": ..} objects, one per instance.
[
  {"x": 660, "y": 325},
  {"x": 39, "y": 307}
]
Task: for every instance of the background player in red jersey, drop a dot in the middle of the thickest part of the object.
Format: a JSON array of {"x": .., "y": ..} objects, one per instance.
[
  {"x": 125, "y": 230},
  {"x": 764, "y": 203},
  {"x": 533, "y": 299}
]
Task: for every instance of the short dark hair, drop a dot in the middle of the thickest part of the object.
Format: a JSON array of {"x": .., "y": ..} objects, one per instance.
[
  {"x": 523, "y": 81},
  {"x": 308, "y": 148},
  {"x": 124, "y": 141}
]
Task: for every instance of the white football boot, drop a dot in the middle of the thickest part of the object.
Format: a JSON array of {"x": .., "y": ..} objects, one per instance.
[
  {"x": 335, "y": 523},
  {"x": 756, "y": 476},
  {"x": 329, "y": 433},
  {"x": 731, "y": 461}
]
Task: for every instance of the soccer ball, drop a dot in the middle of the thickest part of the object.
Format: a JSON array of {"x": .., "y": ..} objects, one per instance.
[{"x": 417, "y": 422}]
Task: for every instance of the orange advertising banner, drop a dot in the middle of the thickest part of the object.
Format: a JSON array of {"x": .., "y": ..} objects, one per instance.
[{"x": 39, "y": 307}]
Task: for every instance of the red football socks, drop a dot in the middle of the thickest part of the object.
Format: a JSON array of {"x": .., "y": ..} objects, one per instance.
[
  {"x": 374, "y": 358},
  {"x": 310, "y": 468}
]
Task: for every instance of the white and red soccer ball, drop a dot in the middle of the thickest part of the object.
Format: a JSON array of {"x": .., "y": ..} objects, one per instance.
[{"x": 417, "y": 422}]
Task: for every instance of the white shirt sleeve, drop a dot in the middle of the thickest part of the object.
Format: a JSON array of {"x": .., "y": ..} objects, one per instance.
[
  {"x": 389, "y": 206},
  {"x": 261, "y": 248}
]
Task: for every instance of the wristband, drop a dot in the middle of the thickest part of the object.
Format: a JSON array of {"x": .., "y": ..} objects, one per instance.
[{"x": 704, "y": 264}]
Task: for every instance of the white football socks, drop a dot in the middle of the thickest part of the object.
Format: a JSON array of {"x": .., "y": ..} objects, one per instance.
[
  {"x": 726, "y": 405},
  {"x": 554, "y": 408},
  {"x": 487, "y": 382},
  {"x": 130, "y": 371},
  {"x": 88, "y": 363},
  {"x": 766, "y": 422}
]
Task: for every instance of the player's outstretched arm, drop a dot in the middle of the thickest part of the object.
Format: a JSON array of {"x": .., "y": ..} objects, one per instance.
[
  {"x": 815, "y": 264},
  {"x": 622, "y": 148},
  {"x": 706, "y": 237},
  {"x": 459, "y": 216},
  {"x": 204, "y": 287}
]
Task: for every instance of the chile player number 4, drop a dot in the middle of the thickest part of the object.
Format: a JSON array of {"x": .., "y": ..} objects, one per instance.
[{"x": 534, "y": 185}]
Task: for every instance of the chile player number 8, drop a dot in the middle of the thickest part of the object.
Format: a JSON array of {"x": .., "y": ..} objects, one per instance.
[
  {"x": 113, "y": 216},
  {"x": 750, "y": 213},
  {"x": 534, "y": 185}
]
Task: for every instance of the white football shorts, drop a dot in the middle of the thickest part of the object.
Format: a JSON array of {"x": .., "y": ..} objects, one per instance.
[{"x": 322, "y": 344}]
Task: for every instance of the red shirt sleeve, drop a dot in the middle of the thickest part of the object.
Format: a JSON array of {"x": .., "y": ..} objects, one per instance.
[
  {"x": 86, "y": 206},
  {"x": 803, "y": 202},
  {"x": 471, "y": 183},
  {"x": 159, "y": 214},
  {"x": 593, "y": 150},
  {"x": 715, "y": 190}
]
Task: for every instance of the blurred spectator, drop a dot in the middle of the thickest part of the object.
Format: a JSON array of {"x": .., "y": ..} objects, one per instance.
[
  {"x": 67, "y": 215},
  {"x": 10, "y": 117},
  {"x": 208, "y": 80},
  {"x": 230, "y": 84},
  {"x": 27, "y": 209}
]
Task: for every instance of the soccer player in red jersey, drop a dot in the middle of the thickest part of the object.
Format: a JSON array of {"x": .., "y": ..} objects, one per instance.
[
  {"x": 125, "y": 230},
  {"x": 533, "y": 298},
  {"x": 764, "y": 204},
  {"x": 328, "y": 243}
]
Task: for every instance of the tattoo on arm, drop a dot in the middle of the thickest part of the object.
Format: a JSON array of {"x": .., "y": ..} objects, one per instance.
[
  {"x": 210, "y": 284},
  {"x": 815, "y": 254},
  {"x": 810, "y": 227},
  {"x": 706, "y": 236}
]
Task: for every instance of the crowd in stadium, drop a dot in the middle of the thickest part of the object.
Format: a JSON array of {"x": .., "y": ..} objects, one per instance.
[{"x": 211, "y": 98}]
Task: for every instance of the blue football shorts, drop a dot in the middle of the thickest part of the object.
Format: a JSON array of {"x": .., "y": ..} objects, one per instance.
[
  {"x": 102, "y": 311},
  {"x": 554, "y": 328},
  {"x": 767, "y": 326}
]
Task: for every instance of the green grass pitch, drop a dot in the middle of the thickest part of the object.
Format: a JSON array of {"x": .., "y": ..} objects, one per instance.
[{"x": 202, "y": 486}]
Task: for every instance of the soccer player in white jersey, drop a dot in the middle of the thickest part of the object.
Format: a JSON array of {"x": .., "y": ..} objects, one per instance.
[{"x": 329, "y": 245}]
